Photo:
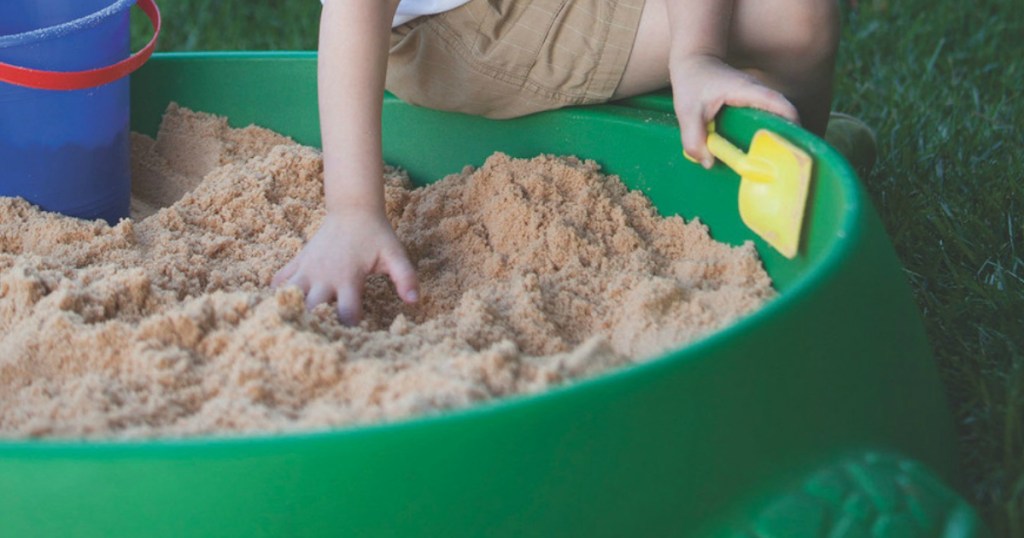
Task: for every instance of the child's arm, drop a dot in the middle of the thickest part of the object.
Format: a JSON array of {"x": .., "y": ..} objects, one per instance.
[
  {"x": 355, "y": 239},
  {"x": 701, "y": 80}
]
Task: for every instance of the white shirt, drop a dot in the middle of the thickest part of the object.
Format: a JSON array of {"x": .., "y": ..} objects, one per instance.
[{"x": 410, "y": 9}]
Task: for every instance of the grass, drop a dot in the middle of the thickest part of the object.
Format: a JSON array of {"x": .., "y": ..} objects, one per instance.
[
  {"x": 234, "y": 25},
  {"x": 940, "y": 81}
]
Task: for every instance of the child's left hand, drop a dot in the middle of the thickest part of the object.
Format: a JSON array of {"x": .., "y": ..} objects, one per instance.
[{"x": 702, "y": 85}]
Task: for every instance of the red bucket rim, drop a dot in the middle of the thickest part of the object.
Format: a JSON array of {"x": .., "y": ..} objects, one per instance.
[{"x": 79, "y": 80}]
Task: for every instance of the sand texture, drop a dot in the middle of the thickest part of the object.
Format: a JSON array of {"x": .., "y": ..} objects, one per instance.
[{"x": 533, "y": 273}]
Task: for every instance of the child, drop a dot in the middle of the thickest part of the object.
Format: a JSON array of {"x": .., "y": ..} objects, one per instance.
[{"x": 507, "y": 58}]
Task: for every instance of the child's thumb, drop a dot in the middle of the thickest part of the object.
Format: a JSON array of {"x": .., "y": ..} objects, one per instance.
[{"x": 694, "y": 136}]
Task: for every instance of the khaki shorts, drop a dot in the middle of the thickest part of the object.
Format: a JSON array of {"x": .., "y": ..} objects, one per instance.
[{"x": 508, "y": 58}]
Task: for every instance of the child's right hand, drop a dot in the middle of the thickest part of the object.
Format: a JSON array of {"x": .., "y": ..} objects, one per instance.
[{"x": 334, "y": 264}]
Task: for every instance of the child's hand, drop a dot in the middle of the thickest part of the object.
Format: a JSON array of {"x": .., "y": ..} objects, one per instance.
[
  {"x": 346, "y": 249},
  {"x": 702, "y": 84}
]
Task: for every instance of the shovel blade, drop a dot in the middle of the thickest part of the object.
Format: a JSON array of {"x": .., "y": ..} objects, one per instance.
[{"x": 774, "y": 207}]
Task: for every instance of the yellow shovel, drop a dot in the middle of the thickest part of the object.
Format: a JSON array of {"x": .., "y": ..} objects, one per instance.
[{"x": 774, "y": 180}]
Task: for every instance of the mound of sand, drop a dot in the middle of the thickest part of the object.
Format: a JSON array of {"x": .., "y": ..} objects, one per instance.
[{"x": 533, "y": 272}]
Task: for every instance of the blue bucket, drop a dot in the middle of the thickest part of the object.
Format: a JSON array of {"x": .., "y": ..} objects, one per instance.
[{"x": 64, "y": 104}]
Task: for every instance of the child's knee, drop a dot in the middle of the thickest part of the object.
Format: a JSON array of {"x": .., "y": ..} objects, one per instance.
[{"x": 811, "y": 36}]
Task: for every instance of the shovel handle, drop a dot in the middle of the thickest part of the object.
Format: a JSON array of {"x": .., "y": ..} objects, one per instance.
[
  {"x": 746, "y": 166},
  {"x": 725, "y": 151}
]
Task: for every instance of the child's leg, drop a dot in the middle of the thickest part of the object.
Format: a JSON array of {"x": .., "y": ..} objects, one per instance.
[{"x": 790, "y": 45}]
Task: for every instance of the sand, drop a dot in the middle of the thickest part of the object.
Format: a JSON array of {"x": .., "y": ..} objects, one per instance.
[{"x": 533, "y": 273}]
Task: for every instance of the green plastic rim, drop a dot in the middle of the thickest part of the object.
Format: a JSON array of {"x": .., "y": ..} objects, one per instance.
[{"x": 803, "y": 286}]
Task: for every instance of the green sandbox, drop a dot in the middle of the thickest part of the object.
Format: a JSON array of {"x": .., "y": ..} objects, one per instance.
[{"x": 834, "y": 378}]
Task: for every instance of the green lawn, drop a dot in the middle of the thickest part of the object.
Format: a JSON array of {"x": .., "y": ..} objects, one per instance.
[{"x": 941, "y": 82}]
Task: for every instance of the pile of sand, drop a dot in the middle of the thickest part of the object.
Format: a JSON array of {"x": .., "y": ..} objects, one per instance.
[{"x": 533, "y": 272}]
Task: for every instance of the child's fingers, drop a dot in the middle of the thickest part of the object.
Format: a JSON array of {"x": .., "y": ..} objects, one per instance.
[
  {"x": 402, "y": 273},
  {"x": 299, "y": 281},
  {"x": 350, "y": 301},
  {"x": 764, "y": 98},
  {"x": 318, "y": 294},
  {"x": 285, "y": 273}
]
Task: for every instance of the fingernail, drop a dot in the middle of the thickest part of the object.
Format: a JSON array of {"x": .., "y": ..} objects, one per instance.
[
  {"x": 348, "y": 321},
  {"x": 412, "y": 296},
  {"x": 347, "y": 317}
]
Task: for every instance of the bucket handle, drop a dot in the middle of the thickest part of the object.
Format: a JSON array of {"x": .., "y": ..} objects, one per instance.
[{"x": 80, "y": 80}]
